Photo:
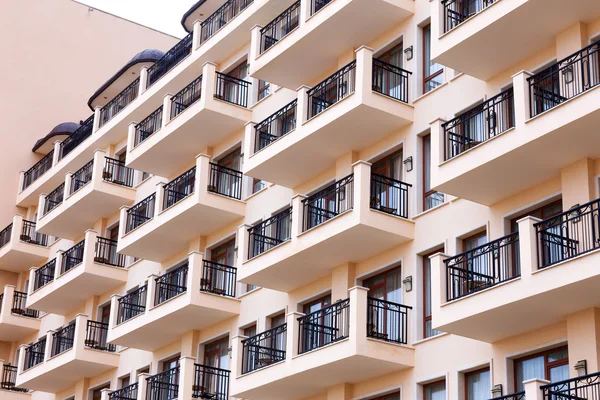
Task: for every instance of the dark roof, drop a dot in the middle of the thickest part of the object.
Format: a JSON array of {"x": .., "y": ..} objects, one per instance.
[
  {"x": 190, "y": 12},
  {"x": 148, "y": 55},
  {"x": 65, "y": 128}
]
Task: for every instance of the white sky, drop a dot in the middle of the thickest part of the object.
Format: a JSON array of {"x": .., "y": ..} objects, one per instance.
[{"x": 162, "y": 15}]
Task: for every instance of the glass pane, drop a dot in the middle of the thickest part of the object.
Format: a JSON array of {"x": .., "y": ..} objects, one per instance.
[
  {"x": 436, "y": 391},
  {"x": 529, "y": 369},
  {"x": 558, "y": 355},
  {"x": 426, "y": 163},
  {"x": 478, "y": 385},
  {"x": 559, "y": 373},
  {"x": 394, "y": 286}
]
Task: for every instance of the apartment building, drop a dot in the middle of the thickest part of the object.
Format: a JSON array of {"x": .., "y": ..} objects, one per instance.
[{"x": 322, "y": 200}]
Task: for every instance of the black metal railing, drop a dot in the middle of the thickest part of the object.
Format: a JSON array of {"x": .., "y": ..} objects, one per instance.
[
  {"x": 565, "y": 79},
  {"x": 171, "y": 58},
  {"x": 275, "y": 126},
  {"x": 325, "y": 326},
  {"x": 264, "y": 349},
  {"x": 513, "y": 396},
  {"x": 149, "y": 125},
  {"x": 210, "y": 383},
  {"x": 127, "y": 393},
  {"x": 72, "y": 257},
  {"x": 9, "y": 379},
  {"x": 119, "y": 102},
  {"x": 389, "y": 195},
  {"x": 116, "y": 172},
  {"x": 283, "y": 24},
  {"x": 171, "y": 284},
  {"x": 317, "y": 5},
  {"x": 569, "y": 234},
  {"x": 30, "y": 235},
  {"x": 225, "y": 181},
  {"x": 179, "y": 188},
  {"x": 479, "y": 124},
  {"x": 44, "y": 274},
  {"x": 34, "y": 354},
  {"x": 328, "y": 203},
  {"x": 483, "y": 267},
  {"x": 77, "y": 137},
  {"x": 19, "y": 306},
  {"x": 186, "y": 97},
  {"x": 218, "y": 279},
  {"x": 106, "y": 253},
  {"x": 387, "y": 321},
  {"x": 232, "y": 90},
  {"x": 63, "y": 339},
  {"x": 582, "y": 387},
  {"x": 132, "y": 304},
  {"x": 270, "y": 233},
  {"x": 332, "y": 90},
  {"x": 54, "y": 198},
  {"x": 5, "y": 235},
  {"x": 96, "y": 334},
  {"x": 458, "y": 11},
  {"x": 390, "y": 80},
  {"x": 81, "y": 177},
  {"x": 39, "y": 169},
  {"x": 140, "y": 213},
  {"x": 163, "y": 386},
  {"x": 221, "y": 17}
]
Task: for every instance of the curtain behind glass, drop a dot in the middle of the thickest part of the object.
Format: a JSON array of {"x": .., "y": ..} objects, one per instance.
[
  {"x": 478, "y": 385},
  {"x": 529, "y": 369}
]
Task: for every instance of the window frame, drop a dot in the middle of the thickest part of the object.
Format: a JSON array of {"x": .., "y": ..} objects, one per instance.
[
  {"x": 425, "y": 166},
  {"x": 547, "y": 366},
  {"x": 424, "y": 287},
  {"x": 429, "y": 384},
  {"x": 427, "y": 79},
  {"x": 470, "y": 373}
]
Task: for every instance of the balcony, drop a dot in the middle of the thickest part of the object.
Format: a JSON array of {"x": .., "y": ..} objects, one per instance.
[
  {"x": 193, "y": 296},
  {"x": 204, "y": 113},
  {"x": 16, "y": 320},
  {"x": 63, "y": 357},
  {"x": 333, "y": 27},
  {"x": 353, "y": 340},
  {"x": 21, "y": 246},
  {"x": 544, "y": 271},
  {"x": 95, "y": 191},
  {"x": 349, "y": 221},
  {"x": 8, "y": 389},
  {"x": 200, "y": 201},
  {"x": 366, "y": 95},
  {"x": 551, "y": 112},
  {"x": 478, "y": 37},
  {"x": 89, "y": 268}
]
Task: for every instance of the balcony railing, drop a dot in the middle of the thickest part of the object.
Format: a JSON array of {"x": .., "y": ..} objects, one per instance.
[
  {"x": 218, "y": 279},
  {"x": 483, "y": 267},
  {"x": 54, "y": 198},
  {"x": 270, "y": 233},
  {"x": 389, "y": 195},
  {"x": 514, "y": 396},
  {"x": 140, "y": 213},
  {"x": 186, "y": 97},
  {"x": 9, "y": 379},
  {"x": 149, "y": 125},
  {"x": 72, "y": 257},
  {"x": 317, "y": 5},
  {"x": 120, "y": 101},
  {"x": 127, "y": 393},
  {"x": 225, "y": 181},
  {"x": 19, "y": 308},
  {"x": 5, "y": 235},
  {"x": 390, "y": 80},
  {"x": 63, "y": 339},
  {"x": 44, "y": 274},
  {"x": 210, "y": 383},
  {"x": 171, "y": 58},
  {"x": 95, "y": 337},
  {"x": 582, "y": 387},
  {"x": 458, "y": 11},
  {"x": 283, "y": 24},
  {"x": 34, "y": 354},
  {"x": 333, "y": 89},
  {"x": 387, "y": 321},
  {"x": 221, "y": 17},
  {"x": 171, "y": 284},
  {"x": 565, "y": 79},
  {"x": 479, "y": 124},
  {"x": 132, "y": 304},
  {"x": 106, "y": 253},
  {"x": 568, "y": 235},
  {"x": 323, "y": 327},
  {"x": 77, "y": 137},
  {"x": 116, "y": 172},
  {"x": 264, "y": 349},
  {"x": 276, "y": 126},
  {"x": 179, "y": 188},
  {"x": 81, "y": 177},
  {"x": 39, "y": 169},
  {"x": 30, "y": 235},
  {"x": 163, "y": 386},
  {"x": 328, "y": 203},
  {"x": 232, "y": 90}
]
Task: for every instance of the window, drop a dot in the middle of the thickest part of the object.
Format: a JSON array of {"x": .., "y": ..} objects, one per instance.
[
  {"x": 543, "y": 212},
  {"x": 226, "y": 182},
  {"x": 428, "y": 331},
  {"x": 278, "y": 320},
  {"x": 216, "y": 354},
  {"x": 435, "y": 391},
  {"x": 477, "y": 385},
  {"x": 433, "y": 73},
  {"x": 257, "y": 185},
  {"x": 386, "y": 286},
  {"x": 97, "y": 393},
  {"x": 552, "y": 365},
  {"x": 431, "y": 198},
  {"x": 264, "y": 89},
  {"x": 389, "y": 396},
  {"x": 125, "y": 381},
  {"x": 250, "y": 287},
  {"x": 250, "y": 331},
  {"x": 224, "y": 254}
]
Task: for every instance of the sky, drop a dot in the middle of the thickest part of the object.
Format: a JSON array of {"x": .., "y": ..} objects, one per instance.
[{"x": 162, "y": 15}]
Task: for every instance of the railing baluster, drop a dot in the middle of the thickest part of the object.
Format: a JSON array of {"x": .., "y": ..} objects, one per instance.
[
  {"x": 232, "y": 90},
  {"x": 323, "y": 327},
  {"x": 389, "y": 195},
  {"x": 218, "y": 279},
  {"x": 264, "y": 349},
  {"x": 390, "y": 80},
  {"x": 148, "y": 126},
  {"x": 171, "y": 58},
  {"x": 119, "y": 102},
  {"x": 225, "y": 181},
  {"x": 187, "y": 96},
  {"x": 333, "y": 89},
  {"x": 281, "y": 26},
  {"x": 39, "y": 169},
  {"x": 140, "y": 213},
  {"x": 81, "y": 177},
  {"x": 44, "y": 274},
  {"x": 270, "y": 233},
  {"x": 77, "y": 137},
  {"x": 210, "y": 383},
  {"x": 54, "y": 198},
  {"x": 328, "y": 203},
  {"x": 458, "y": 11},
  {"x": 221, "y": 17},
  {"x": 179, "y": 188},
  {"x": 171, "y": 284},
  {"x": 275, "y": 126},
  {"x": 127, "y": 393},
  {"x": 387, "y": 321},
  {"x": 132, "y": 304},
  {"x": 116, "y": 172}
]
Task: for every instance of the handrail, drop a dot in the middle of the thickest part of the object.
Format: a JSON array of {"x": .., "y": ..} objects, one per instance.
[
  {"x": 275, "y": 126},
  {"x": 77, "y": 137},
  {"x": 332, "y": 89},
  {"x": 119, "y": 102},
  {"x": 221, "y": 17},
  {"x": 148, "y": 126},
  {"x": 270, "y": 233},
  {"x": 171, "y": 58},
  {"x": 140, "y": 212},
  {"x": 280, "y": 27},
  {"x": 38, "y": 169}
]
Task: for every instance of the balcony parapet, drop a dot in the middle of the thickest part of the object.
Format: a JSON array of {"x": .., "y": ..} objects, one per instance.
[{"x": 21, "y": 245}]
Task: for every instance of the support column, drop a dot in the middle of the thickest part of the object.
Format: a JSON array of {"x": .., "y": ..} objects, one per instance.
[
  {"x": 209, "y": 82},
  {"x": 342, "y": 391},
  {"x": 528, "y": 246},
  {"x": 255, "y": 43},
  {"x": 302, "y": 106},
  {"x": 532, "y": 389},
  {"x": 521, "y": 98},
  {"x": 362, "y": 186},
  {"x": 578, "y": 183},
  {"x": 186, "y": 377},
  {"x": 237, "y": 355},
  {"x": 297, "y": 215},
  {"x": 358, "y": 314},
  {"x": 243, "y": 238},
  {"x": 143, "y": 79},
  {"x": 150, "y": 293},
  {"x": 197, "y": 34},
  {"x": 342, "y": 279},
  {"x": 104, "y": 394},
  {"x": 293, "y": 334},
  {"x": 438, "y": 285},
  {"x": 80, "y": 331},
  {"x": 583, "y": 332},
  {"x": 571, "y": 40},
  {"x": 364, "y": 71},
  {"x": 113, "y": 319},
  {"x": 166, "y": 115},
  {"x": 142, "y": 385}
]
